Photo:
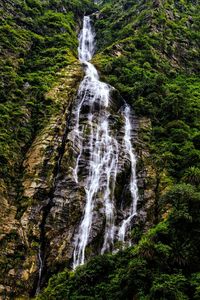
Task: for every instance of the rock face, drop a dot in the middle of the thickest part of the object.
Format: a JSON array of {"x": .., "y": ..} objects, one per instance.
[
  {"x": 146, "y": 175},
  {"x": 21, "y": 233},
  {"x": 8, "y": 233},
  {"x": 41, "y": 214},
  {"x": 40, "y": 236},
  {"x": 67, "y": 200},
  {"x": 38, "y": 239}
]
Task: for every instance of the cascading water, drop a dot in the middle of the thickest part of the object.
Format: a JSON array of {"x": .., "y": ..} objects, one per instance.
[
  {"x": 132, "y": 211},
  {"x": 97, "y": 150}
]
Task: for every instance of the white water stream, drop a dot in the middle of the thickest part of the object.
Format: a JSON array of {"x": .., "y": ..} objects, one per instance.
[
  {"x": 94, "y": 139},
  {"x": 132, "y": 211}
]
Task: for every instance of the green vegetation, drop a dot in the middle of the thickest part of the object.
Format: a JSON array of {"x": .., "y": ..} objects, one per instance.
[
  {"x": 152, "y": 57},
  {"x": 149, "y": 51},
  {"x": 37, "y": 39},
  {"x": 164, "y": 264}
]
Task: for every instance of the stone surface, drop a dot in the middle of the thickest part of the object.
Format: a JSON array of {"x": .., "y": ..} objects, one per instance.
[
  {"x": 20, "y": 237},
  {"x": 53, "y": 203}
]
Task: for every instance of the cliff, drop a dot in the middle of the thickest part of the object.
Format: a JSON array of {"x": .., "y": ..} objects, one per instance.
[{"x": 149, "y": 52}]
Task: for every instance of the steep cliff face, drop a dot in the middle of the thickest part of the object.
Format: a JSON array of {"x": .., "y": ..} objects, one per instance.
[
  {"x": 148, "y": 51},
  {"x": 23, "y": 229},
  {"x": 40, "y": 75},
  {"x": 43, "y": 209}
]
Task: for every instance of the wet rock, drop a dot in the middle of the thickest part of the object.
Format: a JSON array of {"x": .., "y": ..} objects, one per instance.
[
  {"x": 55, "y": 201},
  {"x": 21, "y": 238}
]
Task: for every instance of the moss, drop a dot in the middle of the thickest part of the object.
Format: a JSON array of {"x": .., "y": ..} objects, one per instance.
[
  {"x": 148, "y": 50},
  {"x": 38, "y": 39},
  {"x": 144, "y": 52},
  {"x": 39, "y": 42}
]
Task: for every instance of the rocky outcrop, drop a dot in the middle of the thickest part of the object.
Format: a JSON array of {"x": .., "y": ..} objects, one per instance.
[
  {"x": 68, "y": 200},
  {"x": 21, "y": 232},
  {"x": 39, "y": 237},
  {"x": 146, "y": 175},
  {"x": 8, "y": 231}
]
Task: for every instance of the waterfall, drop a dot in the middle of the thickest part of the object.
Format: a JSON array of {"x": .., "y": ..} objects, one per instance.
[
  {"x": 97, "y": 150},
  {"x": 132, "y": 211}
]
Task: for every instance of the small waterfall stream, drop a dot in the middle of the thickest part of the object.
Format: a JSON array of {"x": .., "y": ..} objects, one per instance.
[
  {"x": 98, "y": 148},
  {"x": 132, "y": 211}
]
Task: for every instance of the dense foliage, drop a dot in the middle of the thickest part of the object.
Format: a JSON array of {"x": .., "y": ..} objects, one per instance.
[
  {"x": 37, "y": 39},
  {"x": 149, "y": 51},
  {"x": 164, "y": 264}
]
